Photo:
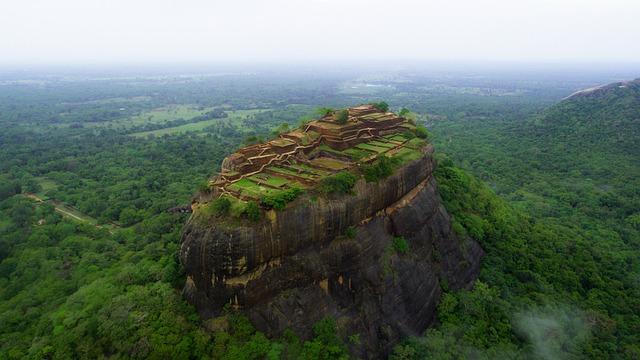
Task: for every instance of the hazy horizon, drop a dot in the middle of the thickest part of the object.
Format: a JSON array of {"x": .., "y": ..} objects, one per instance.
[{"x": 98, "y": 33}]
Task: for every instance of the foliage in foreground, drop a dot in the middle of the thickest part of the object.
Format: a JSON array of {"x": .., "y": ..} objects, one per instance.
[{"x": 540, "y": 292}]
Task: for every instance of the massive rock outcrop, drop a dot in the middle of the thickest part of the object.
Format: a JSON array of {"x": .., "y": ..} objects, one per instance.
[{"x": 296, "y": 266}]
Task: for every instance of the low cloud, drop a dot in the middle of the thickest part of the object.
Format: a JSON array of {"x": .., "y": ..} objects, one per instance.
[{"x": 553, "y": 332}]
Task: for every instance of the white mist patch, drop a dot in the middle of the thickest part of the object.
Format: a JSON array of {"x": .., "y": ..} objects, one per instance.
[{"x": 553, "y": 332}]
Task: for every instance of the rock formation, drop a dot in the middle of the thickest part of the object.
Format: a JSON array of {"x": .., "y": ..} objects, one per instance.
[{"x": 296, "y": 266}]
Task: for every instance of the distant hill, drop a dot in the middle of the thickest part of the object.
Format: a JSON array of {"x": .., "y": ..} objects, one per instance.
[
  {"x": 589, "y": 140},
  {"x": 574, "y": 170},
  {"x": 607, "y": 117},
  {"x": 579, "y": 156}
]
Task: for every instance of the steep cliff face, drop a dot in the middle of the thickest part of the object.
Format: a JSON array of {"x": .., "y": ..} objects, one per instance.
[{"x": 296, "y": 267}]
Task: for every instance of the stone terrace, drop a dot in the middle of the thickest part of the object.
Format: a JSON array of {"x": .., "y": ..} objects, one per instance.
[{"x": 303, "y": 157}]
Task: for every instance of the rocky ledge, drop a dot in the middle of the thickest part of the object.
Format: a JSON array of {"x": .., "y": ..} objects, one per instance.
[{"x": 301, "y": 264}]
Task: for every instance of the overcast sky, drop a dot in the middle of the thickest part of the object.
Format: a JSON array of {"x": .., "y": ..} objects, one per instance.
[{"x": 160, "y": 31}]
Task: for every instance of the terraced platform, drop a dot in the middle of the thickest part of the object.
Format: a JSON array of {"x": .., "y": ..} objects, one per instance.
[{"x": 303, "y": 157}]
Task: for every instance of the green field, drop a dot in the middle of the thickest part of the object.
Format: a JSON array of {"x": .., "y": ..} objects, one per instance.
[
  {"x": 356, "y": 154},
  {"x": 286, "y": 171},
  {"x": 330, "y": 163},
  {"x": 381, "y": 144},
  {"x": 396, "y": 137},
  {"x": 247, "y": 187},
  {"x": 155, "y": 116},
  {"x": 282, "y": 170},
  {"x": 46, "y": 185},
  {"x": 407, "y": 154},
  {"x": 310, "y": 169},
  {"x": 377, "y": 149},
  {"x": 74, "y": 214},
  {"x": 233, "y": 116},
  {"x": 270, "y": 180},
  {"x": 415, "y": 143}
]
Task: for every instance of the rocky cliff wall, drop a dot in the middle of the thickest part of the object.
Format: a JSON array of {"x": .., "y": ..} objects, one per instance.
[{"x": 295, "y": 267}]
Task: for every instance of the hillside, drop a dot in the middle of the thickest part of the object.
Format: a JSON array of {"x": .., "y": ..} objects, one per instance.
[
  {"x": 591, "y": 139},
  {"x": 605, "y": 118},
  {"x": 571, "y": 178}
]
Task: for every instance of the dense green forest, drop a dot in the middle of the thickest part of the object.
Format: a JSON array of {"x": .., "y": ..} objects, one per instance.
[
  {"x": 561, "y": 274},
  {"x": 551, "y": 189}
]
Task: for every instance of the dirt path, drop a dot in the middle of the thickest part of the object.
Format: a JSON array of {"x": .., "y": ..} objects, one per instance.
[{"x": 59, "y": 208}]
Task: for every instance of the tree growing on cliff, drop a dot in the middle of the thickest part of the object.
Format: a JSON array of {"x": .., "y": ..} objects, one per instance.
[
  {"x": 422, "y": 132},
  {"x": 382, "y": 106},
  {"x": 380, "y": 169},
  {"x": 341, "y": 117},
  {"x": 279, "y": 200},
  {"x": 324, "y": 111},
  {"x": 341, "y": 183},
  {"x": 221, "y": 205},
  {"x": 252, "y": 211}
]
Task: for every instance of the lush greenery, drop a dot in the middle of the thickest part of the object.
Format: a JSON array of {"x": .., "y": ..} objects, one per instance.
[
  {"x": 400, "y": 245},
  {"x": 341, "y": 182},
  {"x": 221, "y": 205},
  {"x": 280, "y": 199},
  {"x": 252, "y": 211},
  {"x": 381, "y": 168},
  {"x": 92, "y": 270},
  {"x": 561, "y": 255},
  {"x": 73, "y": 288},
  {"x": 382, "y": 106},
  {"x": 422, "y": 132},
  {"x": 341, "y": 116},
  {"x": 239, "y": 340}
]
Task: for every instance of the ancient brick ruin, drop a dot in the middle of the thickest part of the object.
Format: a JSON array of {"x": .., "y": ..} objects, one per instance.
[{"x": 303, "y": 156}]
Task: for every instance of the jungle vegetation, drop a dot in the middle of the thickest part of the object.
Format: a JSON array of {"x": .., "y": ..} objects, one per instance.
[{"x": 550, "y": 189}]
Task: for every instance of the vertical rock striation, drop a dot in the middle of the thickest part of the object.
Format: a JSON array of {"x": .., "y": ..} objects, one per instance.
[{"x": 295, "y": 267}]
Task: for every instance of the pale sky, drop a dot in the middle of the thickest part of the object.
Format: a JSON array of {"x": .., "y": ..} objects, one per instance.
[{"x": 161, "y": 31}]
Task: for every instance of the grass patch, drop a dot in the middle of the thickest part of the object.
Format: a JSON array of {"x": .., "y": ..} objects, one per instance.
[
  {"x": 193, "y": 127},
  {"x": 46, "y": 185},
  {"x": 328, "y": 149},
  {"x": 315, "y": 171},
  {"x": 405, "y": 155},
  {"x": 356, "y": 154},
  {"x": 415, "y": 143},
  {"x": 74, "y": 214},
  {"x": 330, "y": 163},
  {"x": 270, "y": 180},
  {"x": 396, "y": 137},
  {"x": 155, "y": 116},
  {"x": 248, "y": 188},
  {"x": 286, "y": 171},
  {"x": 376, "y": 149},
  {"x": 233, "y": 116},
  {"x": 381, "y": 144}
]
